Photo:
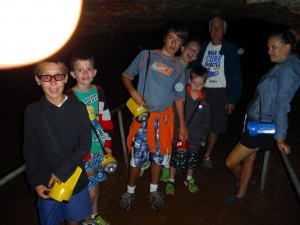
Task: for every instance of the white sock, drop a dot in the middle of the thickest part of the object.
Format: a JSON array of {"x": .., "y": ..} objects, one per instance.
[
  {"x": 93, "y": 216},
  {"x": 84, "y": 223},
  {"x": 189, "y": 177},
  {"x": 130, "y": 189},
  {"x": 153, "y": 187},
  {"x": 172, "y": 180}
]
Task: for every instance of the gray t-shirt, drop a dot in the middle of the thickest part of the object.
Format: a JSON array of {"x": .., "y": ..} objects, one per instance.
[{"x": 165, "y": 80}]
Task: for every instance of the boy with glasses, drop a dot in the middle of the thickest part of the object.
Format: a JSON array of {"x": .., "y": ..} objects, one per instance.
[{"x": 46, "y": 164}]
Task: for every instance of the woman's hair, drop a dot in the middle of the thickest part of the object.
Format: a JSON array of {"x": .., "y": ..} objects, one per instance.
[{"x": 286, "y": 37}]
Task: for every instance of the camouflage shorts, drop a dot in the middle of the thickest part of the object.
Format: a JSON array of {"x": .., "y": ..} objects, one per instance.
[
  {"x": 140, "y": 152},
  {"x": 93, "y": 170}
]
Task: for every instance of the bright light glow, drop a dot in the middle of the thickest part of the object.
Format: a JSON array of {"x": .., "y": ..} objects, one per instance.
[{"x": 32, "y": 30}]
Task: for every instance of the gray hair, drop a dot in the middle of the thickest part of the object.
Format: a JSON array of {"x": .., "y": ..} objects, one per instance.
[{"x": 217, "y": 18}]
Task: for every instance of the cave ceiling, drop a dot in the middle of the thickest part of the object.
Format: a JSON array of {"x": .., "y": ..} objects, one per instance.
[{"x": 115, "y": 16}]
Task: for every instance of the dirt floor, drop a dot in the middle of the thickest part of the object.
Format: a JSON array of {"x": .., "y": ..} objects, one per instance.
[{"x": 279, "y": 204}]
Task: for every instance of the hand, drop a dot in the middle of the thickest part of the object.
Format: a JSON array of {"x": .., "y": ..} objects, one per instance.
[
  {"x": 202, "y": 144},
  {"x": 183, "y": 133},
  {"x": 283, "y": 146},
  {"x": 108, "y": 150},
  {"x": 229, "y": 108},
  {"x": 52, "y": 180},
  {"x": 138, "y": 98},
  {"x": 42, "y": 191}
]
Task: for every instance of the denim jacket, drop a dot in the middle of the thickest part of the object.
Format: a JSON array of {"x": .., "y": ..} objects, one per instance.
[{"x": 274, "y": 93}]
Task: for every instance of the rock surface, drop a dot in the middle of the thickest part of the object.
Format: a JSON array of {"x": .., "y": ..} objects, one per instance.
[{"x": 114, "y": 16}]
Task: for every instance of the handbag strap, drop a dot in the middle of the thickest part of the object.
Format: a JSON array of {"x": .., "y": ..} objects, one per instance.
[
  {"x": 50, "y": 133},
  {"x": 148, "y": 62}
]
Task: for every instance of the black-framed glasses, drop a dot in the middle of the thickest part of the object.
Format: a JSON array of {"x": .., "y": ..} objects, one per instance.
[{"x": 48, "y": 78}]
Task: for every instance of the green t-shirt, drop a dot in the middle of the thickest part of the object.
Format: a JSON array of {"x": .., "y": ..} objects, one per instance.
[{"x": 91, "y": 101}]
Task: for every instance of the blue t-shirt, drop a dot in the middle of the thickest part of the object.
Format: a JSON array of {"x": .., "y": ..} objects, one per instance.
[{"x": 165, "y": 80}]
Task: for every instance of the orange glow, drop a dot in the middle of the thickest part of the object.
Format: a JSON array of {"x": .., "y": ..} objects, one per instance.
[{"x": 32, "y": 30}]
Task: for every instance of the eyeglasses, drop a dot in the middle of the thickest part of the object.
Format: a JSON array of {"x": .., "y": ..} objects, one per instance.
[{"x": 48, "y": 78}]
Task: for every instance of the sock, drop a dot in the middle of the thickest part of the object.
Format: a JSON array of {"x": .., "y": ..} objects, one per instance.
[
  {"x": 83, "y": 223},
  {"x": 172, "y": 180},
  {"x": 93, "y": 216},
  {"x": 130, "y": 189},
  {"x": 189, "y": 177},
  {"x": 153, "y": 187}
]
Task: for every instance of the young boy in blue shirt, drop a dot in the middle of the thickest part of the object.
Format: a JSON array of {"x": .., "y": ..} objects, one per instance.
[{"x": 164, "y": 83}]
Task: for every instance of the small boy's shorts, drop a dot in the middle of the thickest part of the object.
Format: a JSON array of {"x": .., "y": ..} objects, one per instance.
[
  {"x": 181, "y": 161},
  {"x": 93, "y": 170}
]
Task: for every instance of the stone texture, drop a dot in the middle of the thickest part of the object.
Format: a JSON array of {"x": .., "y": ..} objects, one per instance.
[{"x": 117, "y": 16}]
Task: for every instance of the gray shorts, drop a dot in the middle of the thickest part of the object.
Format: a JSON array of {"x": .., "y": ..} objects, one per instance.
[{"x": 217, "y": 100}]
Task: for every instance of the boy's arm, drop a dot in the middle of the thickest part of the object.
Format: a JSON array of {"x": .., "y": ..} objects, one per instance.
[
  {"x": 137, "y": 67},
  {"x": 105, "y": 117},
  {"x": 30, "y": 151},
  {"x": 183, "y": 131},
  {"x": 136, "y": 96}
]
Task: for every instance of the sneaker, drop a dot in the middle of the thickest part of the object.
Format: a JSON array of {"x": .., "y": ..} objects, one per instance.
[
  {"x": 156, "y": 200},
  {"x": 145, "y": 166},
  {"x": 99, "y": 221},
  {"x": 231, "y": 200},
  {"x": 164, "y": 175},
  {"x": 206, "y": 163},
  {"x": 170, "y": 189},
  {"x": 191, "y": 185},
  {"x": 125, "y": 201}
]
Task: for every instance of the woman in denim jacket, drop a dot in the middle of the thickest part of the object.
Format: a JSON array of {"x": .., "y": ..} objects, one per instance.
[{"x": 270, "y": 104}]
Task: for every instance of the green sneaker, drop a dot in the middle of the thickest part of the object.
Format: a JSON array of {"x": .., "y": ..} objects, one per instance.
[
  {"x": 99, "y": 221},
  {"x": 170, "y": 189},
  {"x": 164, "y": 175},
  {"x": 191, "y": 185},
  {"x": 145, "y": 166}
]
